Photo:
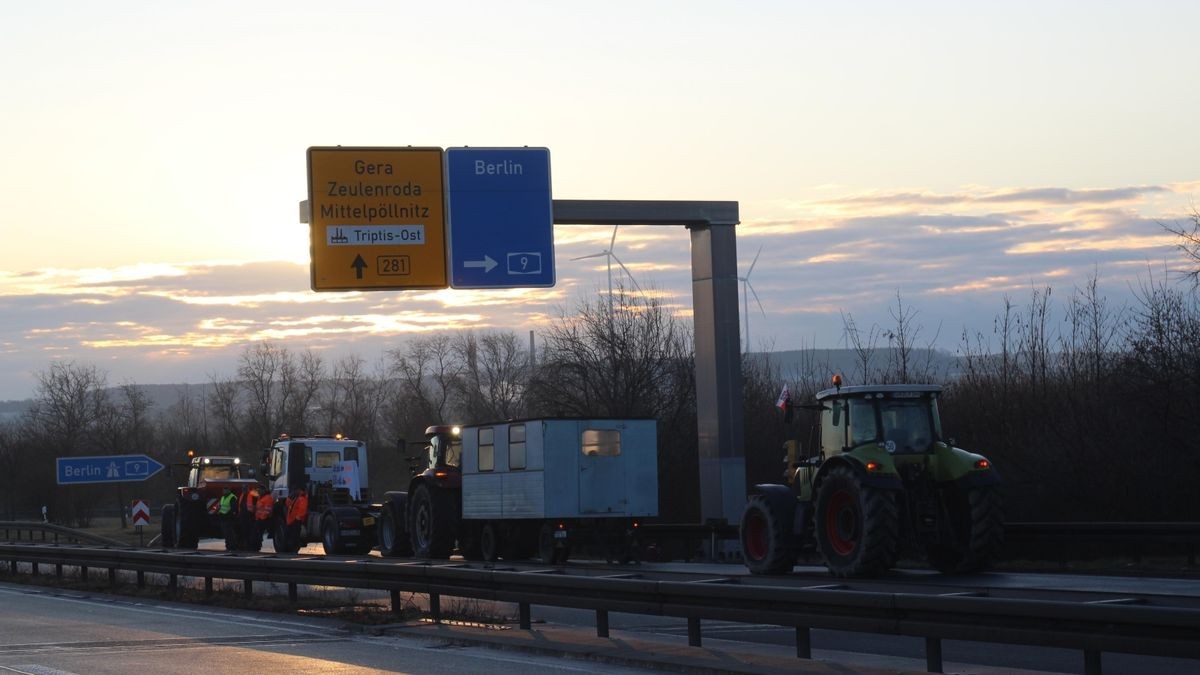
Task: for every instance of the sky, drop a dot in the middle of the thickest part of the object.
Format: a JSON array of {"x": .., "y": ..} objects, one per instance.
[{"x": 949, "y": 154}]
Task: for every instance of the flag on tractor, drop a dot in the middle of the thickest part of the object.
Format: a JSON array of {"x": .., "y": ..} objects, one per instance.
[{"x": 785, "y": 397}]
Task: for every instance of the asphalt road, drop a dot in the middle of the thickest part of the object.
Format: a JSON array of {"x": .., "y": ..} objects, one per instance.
[{"x": 52, "y": 632}]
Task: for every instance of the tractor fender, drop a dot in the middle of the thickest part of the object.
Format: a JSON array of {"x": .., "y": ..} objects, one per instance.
[
  {"x": 397, "y": 500},
  {"x": 960, "y": 467},
  {"x": 783, "y": 501},
  {"x": 883, "y": 481}
]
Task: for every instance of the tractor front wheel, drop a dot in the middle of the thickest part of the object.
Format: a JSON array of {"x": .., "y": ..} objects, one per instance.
[
  {"x": 168, "y": 526},
  {"x": 431, "y": 525},
  {"x": 189, "y": 524},
  {"x": 393, "y": 539},
  {"x": 975, "y": 532},
  {"x": 767, "y": 540},
  {"x": 857, "y": 525}
]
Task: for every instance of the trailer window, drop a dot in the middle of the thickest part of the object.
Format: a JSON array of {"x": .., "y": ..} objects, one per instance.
[
  {"x": 327, "y": 459},
  {"x": 516, "y": 446},
  {"x": 487, "y": 449},
  {"x": 601, "y": 442}
]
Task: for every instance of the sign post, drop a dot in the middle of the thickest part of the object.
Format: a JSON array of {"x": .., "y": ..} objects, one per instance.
[
  {"x": 501, "y": 217},
  {"x": 378, "y": 218}
]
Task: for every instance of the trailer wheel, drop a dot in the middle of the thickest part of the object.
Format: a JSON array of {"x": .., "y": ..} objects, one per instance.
[
  {"x": 168, "y": 526},
  {"x": 489, "y": 542},
  {"x": 975, "y": 535},
  {"x": 857, "y": 525},
  {"x": 767, "y": 545},
  {"x": 331, "y": 535},
  {"x": 432, "y": 523},
  {"x": 393, "y": 539}
]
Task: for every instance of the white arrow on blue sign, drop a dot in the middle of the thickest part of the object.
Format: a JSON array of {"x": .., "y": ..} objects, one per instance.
[
  {"x": 105, "y": 469},
  {"x": 500, "y": 217}
]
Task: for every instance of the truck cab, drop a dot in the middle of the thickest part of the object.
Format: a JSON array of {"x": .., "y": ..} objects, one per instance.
[{"x": 334, "y": 471}]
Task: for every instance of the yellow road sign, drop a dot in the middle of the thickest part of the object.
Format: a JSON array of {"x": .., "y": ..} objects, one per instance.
[{"x": 378, "y": 218}]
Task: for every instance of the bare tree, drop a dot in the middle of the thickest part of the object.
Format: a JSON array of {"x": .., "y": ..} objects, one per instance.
[
  {"x": 70, "y": 398},
  {"x": 226, "y": 415},
  {"x": 355, "y": 398},
  {"x": 260, "y": 368},
  {"x": 424, "y": 375},
  {"x": 300, "y": 389},
  {"x": 612, "y": 359},
  {"x": 495, "y": 375},
  {"x": 864, "y": 346},
  {"x": 1188, "y": 244}
]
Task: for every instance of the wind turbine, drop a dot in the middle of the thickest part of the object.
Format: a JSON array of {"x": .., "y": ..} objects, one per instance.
[
  {"x": 746, "y": 300},
  {"x": 611, "y": 256}
]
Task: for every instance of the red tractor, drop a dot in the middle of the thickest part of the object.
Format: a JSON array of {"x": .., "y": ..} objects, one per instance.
[
  {"x": 194, "y": 513},
  {"x": 425, "y": 520}
]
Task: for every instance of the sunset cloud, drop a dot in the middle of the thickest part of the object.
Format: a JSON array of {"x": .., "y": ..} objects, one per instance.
[{"x": 952, "y": 256}]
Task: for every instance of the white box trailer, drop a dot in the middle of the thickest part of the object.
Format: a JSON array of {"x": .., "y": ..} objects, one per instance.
[{"x": 540, "y": 485}]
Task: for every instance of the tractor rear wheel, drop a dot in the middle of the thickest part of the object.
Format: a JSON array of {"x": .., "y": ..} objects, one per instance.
[
  {"x": 767, "y": 540},
  {"x": 432, "y": 523},
  {"x": 393, "y": 539},
  {"x": 168, "y": 526},
  {"x": 857, "y": 525},
  {"x": 975, "y": 535}
]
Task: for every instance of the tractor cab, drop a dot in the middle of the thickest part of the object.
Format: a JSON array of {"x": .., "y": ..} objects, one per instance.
[
  {"x": 442, "y": 458},
  {"x": 901, "y": 418}
]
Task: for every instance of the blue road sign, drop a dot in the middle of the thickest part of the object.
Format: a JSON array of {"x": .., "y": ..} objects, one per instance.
[
  {"x": 500, "y": 219},
  {"x": 105, "y": 469}
]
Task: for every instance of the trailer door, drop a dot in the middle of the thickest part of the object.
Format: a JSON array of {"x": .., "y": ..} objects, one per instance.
[{"x": 601, "y": 469}]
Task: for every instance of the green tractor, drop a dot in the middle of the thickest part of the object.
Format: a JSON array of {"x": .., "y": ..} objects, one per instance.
[{"x": 882, "y": 483}]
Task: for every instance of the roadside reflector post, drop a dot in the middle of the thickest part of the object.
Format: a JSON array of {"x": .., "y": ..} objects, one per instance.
[
  {"x": 248, "y": 588},
  {"x": 693, "y": 632},
  {"x": 803, "y": 642},
  {"x": 523, "y": 610},
  {"x": 395, "y": 602},
  {"x": 141, "y": 579},
  {"x": 208, "y": 585},
  {"x": 602, "y": 623},
  {"x": 292, "y": 592},
  {"x": 435, "y": 607},
  {"x": 933, "y": 655}
]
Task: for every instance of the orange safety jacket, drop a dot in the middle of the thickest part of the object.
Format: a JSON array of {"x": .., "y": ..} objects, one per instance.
[
  {"x": 297, "y": 508},
  {"x": 247, "y": 501},
  {"x": 266, "y": 504}
]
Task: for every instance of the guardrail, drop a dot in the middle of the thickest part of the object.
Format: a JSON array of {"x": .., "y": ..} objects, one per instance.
[
  {"x": 1093, "y": 628},
  {"x": 51, "y": 533}
]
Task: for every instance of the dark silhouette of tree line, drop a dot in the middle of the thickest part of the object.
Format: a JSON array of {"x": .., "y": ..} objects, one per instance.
[{"x": 1090, "y": 412}]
